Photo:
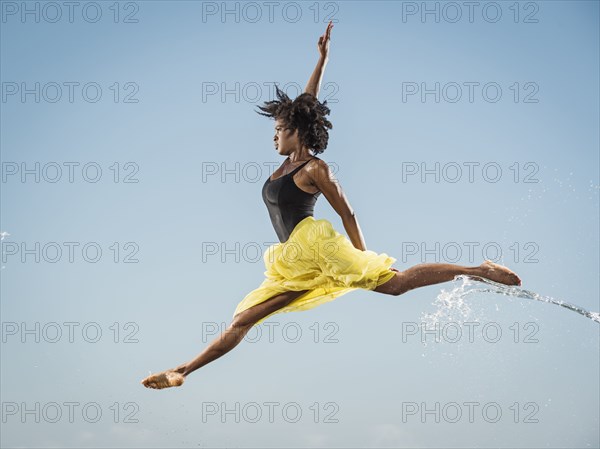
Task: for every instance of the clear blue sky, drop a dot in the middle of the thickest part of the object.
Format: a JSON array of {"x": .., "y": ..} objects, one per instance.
[{"x": 178, "y": 82}]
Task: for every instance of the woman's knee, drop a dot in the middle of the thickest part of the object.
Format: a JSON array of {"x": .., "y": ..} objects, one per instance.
[
  {"x": 243, "y": 321},
  {"x": 249, "y": 317}
]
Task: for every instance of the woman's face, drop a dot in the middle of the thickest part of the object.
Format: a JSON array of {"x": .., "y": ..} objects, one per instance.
[{"x": 285, "y": 140}]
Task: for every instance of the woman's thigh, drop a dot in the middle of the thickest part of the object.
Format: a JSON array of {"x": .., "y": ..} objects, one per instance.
[
  {"x": 394, "y": 286},
  {"x": 255, "y": 313}
]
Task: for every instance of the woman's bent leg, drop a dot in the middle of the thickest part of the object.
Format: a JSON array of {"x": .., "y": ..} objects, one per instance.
[{"x": 231, "y": 337}]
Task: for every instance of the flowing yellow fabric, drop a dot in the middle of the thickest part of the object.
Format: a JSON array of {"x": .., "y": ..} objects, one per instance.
[{"x": 319, "y": 259}]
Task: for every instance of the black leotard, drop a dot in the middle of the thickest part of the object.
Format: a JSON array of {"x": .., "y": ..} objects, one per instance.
[{"x": 287, "y": 203}]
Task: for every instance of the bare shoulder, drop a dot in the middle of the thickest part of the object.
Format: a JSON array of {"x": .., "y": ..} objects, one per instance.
[
  {"x": 318, "y": 164},
  {"x": 320, "y": 172}
]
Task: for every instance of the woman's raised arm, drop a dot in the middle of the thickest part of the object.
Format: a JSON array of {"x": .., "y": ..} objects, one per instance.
[{"x": 314, "y": 83}]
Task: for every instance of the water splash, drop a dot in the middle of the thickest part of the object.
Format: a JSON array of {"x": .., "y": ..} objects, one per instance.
[
  {"x": 452, "y": 304},
  {"x": 3, "y": 235}
]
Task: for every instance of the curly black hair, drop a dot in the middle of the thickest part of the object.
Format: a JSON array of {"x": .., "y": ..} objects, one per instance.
[{"x": 306, "y": 114}]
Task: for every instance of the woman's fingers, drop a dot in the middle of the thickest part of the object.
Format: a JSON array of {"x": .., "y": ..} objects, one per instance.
[{"x": 323, "y": 43}]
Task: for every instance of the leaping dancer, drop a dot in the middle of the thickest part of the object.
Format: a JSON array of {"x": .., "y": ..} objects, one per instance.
[{"x": 313, "y": 264}]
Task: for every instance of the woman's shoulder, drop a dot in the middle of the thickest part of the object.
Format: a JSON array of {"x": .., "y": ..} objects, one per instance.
[
  {"x": 317, "y": 169},
  {"x": 318, "y": 162}
]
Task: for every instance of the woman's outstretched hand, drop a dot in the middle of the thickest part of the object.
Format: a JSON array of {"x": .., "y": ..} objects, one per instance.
[{"x": 323, "y": 44}]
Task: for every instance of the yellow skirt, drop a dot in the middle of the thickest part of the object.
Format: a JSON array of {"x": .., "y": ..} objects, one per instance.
[{"x": 319, "y": 259}]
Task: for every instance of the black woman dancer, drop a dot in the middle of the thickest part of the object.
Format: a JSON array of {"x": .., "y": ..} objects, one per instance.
[{"x": 313, "y": 263}]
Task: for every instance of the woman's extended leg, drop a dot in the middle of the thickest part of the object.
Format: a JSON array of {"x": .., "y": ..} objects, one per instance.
[
  {"x": 221, "y": 345},
  {"x": 434, "y": 273}
]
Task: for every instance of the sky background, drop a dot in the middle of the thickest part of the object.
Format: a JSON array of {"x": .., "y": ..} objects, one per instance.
[{"x": 177, "y": 215}]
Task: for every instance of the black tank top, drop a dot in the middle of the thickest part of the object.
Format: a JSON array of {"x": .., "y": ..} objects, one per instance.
[{"x": 287, "y": 203}]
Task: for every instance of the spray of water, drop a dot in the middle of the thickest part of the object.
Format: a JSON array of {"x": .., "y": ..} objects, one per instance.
[
  {"x": 3, "y": 234},
  {"x": 452, "y": 305}
]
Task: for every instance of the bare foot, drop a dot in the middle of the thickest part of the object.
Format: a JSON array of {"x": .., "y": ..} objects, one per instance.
[
  {"x": 498, "y": 273},
  {"x": 166, "y": 379}
]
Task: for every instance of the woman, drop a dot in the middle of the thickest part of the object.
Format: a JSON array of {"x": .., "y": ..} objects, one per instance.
[{"x": 313, "y": 263}]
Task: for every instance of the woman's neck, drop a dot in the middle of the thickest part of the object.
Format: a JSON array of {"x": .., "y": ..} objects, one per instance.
[{"x": 302, "y": 156}]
